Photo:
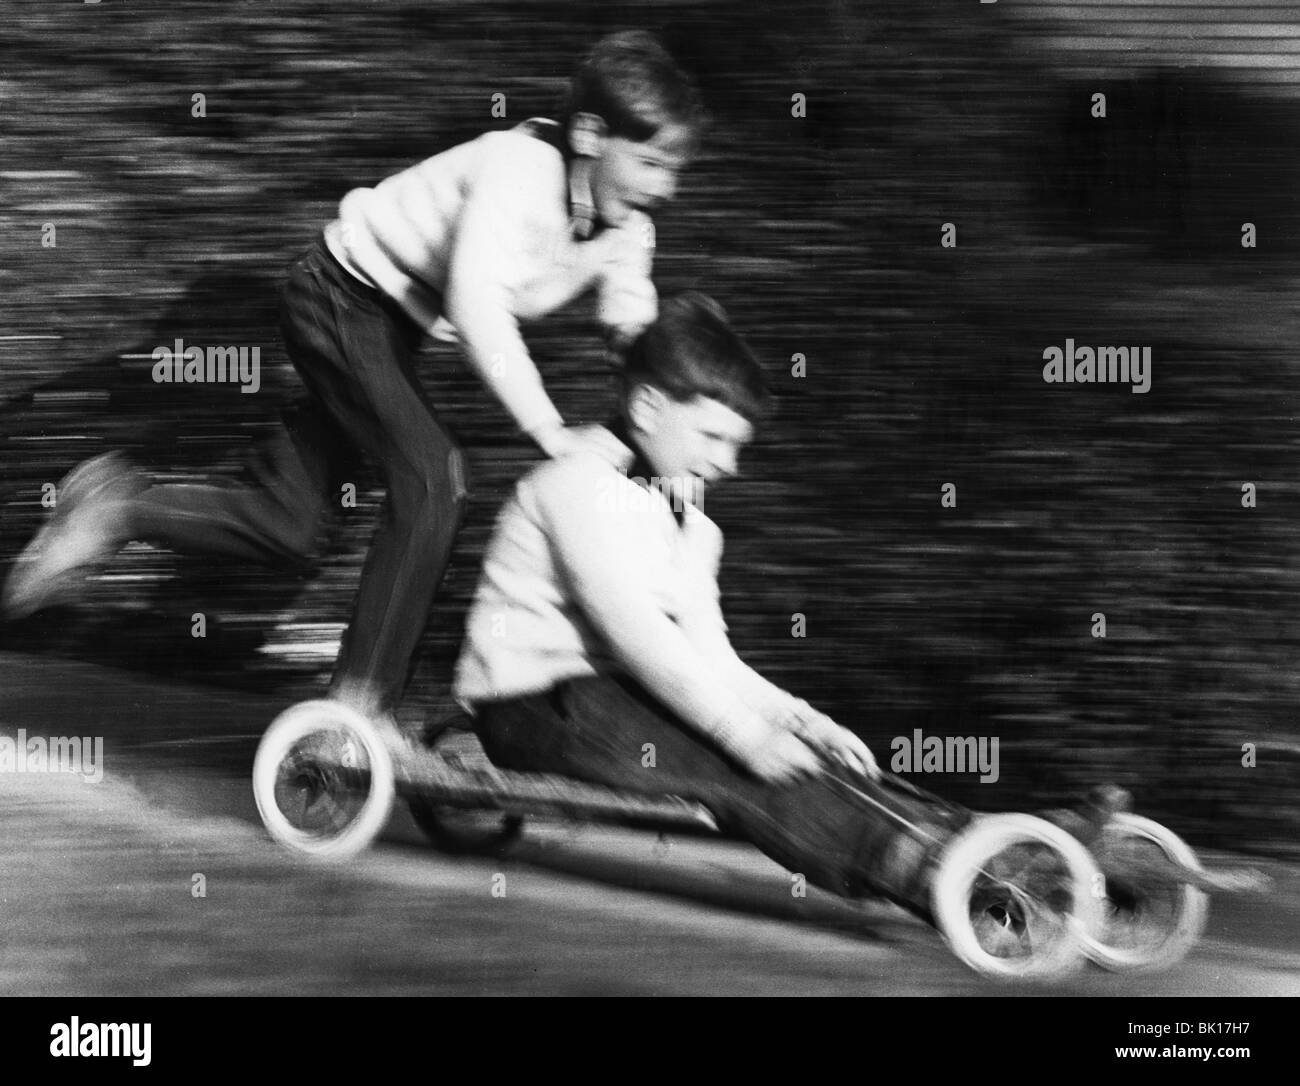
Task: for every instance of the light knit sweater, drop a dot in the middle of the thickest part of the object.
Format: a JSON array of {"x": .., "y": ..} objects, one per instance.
[
  {"x": 477, "y": 238},
  {"x": 589, "y": 572}
]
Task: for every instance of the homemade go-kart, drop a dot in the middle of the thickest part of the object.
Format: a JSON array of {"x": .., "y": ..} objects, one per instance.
[{"x": 1014, "y": 895}]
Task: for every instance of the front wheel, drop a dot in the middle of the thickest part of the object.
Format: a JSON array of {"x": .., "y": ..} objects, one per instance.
[
  {"x": 1014, "y": 896},
  {"x": 1150, "y": 918},
  {"x": 323, "y": 780}
]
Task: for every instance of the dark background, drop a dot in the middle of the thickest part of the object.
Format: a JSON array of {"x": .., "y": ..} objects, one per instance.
[{"x": 821, "y": 236}]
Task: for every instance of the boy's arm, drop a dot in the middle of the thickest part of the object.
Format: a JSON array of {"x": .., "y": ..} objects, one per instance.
[
  {"x": 627, "y": 302},
  {"x": 499, "y": 224}
]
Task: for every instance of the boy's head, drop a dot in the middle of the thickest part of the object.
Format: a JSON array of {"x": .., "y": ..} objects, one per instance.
[
  {"x": 634, "y": 118},
  {"x": 692, "y": 392}
]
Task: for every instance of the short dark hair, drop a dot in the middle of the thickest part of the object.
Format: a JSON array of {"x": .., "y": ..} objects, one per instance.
[
  {"x": 692, "y": 350},
  {"x": 632, "y": 82}
]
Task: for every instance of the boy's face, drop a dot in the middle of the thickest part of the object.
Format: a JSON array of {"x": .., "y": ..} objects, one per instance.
[
  {"x": 695, "y": 442},
  {"x": 629, "y": 176}
]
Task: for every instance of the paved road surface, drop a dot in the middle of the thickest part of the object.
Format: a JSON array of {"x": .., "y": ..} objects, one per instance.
[{"x": 97, "y": 889}]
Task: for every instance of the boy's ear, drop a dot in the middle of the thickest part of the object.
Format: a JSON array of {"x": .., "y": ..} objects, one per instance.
[
  {"x": 645, "y": 407},
  {"x": 587, "y": 134}
]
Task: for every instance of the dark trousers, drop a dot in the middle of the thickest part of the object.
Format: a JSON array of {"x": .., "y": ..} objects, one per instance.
[
  {"x": 829, "y": 827},
  {"x": 353, "y": 349}
]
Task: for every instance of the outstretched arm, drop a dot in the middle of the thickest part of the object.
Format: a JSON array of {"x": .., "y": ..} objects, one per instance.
[{"x": 500, "y": 228}]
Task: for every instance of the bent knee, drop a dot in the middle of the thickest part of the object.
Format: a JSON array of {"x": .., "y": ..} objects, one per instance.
[{"x": 429, "y": 497}]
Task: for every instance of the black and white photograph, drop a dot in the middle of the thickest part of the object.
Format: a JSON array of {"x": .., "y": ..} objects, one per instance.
[{"x": 640, "y": 499}]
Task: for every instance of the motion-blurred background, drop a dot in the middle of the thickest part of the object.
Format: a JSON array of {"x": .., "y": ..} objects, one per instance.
[{"x": 821, "y": 236}]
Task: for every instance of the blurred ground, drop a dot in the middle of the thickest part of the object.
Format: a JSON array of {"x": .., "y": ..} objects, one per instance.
[
  {"x": 820, "y": 235},
  {"x": 96, "y": 886}
]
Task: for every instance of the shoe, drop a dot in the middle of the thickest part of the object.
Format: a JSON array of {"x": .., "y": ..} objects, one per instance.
[{"x": 85, "y": 529}]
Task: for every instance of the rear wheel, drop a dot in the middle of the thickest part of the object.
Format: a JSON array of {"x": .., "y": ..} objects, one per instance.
[
  {"x": 323, "y": 780},
  {"x": 1013, "y": 896}
]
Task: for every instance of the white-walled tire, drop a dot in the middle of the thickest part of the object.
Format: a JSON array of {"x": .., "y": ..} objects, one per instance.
[
  {"x": 1015, "y": 896},
  {"x": 1148, "y": 922},
  {"x": 323, "y": 780}
]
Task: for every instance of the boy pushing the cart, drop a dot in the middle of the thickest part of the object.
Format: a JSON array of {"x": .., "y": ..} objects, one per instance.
[{"x": 466, "y": 245}]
